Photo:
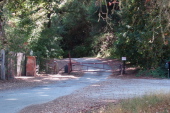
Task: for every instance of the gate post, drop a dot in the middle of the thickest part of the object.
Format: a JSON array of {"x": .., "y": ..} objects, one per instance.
[
  {"x": 2, "y": 64},
  {"x": 69, "y": 64},
  {"x": 123, "y": 68},
  {"x": 31, "y": 66}
]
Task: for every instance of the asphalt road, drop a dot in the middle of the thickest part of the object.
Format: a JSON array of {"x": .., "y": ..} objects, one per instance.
[
  {"x": 104, "y": 88},
  {"x": 13, "y": 101}
]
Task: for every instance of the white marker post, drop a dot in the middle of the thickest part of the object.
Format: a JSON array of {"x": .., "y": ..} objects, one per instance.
[{"x": 123, "y": 59}]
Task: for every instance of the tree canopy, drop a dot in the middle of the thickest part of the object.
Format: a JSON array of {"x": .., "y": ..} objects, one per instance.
[{"x": 137, "y": 29}]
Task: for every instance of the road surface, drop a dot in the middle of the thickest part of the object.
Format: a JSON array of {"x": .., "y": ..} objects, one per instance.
[{"x": 92, "y": 85}]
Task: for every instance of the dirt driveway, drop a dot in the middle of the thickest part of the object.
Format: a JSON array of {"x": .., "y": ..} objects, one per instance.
[{"x": 110, "y": 89}]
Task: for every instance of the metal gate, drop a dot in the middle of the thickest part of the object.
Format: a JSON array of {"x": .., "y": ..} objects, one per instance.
[
  {"x": 90, "y": 67},
  {"x": 69, "y": 65},
  {"x": 55, "y": 66}
]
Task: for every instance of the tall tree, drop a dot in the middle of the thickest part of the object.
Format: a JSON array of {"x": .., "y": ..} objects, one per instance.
[
  {"x": 142, "y": 32},
  {"x": 2, "y": 22},
  {"x": 27, "y": 21}
]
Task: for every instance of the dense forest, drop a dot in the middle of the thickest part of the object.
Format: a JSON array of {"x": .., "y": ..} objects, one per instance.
[{"x": 137, "y": 29}]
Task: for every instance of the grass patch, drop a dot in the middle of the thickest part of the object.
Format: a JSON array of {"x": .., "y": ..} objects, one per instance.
[{"x": 154, "y": 103}]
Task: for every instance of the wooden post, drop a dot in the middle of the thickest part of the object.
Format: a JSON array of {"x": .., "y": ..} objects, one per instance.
[
  {"x": 123, "y": 67},
  {"x": 3, "y": 64},
  {"x": 69, "y": 64},
  {"x": 70, "y": 61}
]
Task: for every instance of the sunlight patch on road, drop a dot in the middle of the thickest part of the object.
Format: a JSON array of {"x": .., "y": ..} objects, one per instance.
[
  {"x": 95, "y": 85},
  {"x": 44, "y": 95},
  {"x": 13, "y": 99},
  {"x": 46, "y": 88},
  {"x": 24, "y": 77}
]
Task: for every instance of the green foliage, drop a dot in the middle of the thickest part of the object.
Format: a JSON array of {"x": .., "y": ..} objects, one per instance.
[
  {"x": 159, "y": 72},
  {"x": 29, "y": 27},
  {"x": 139, "y": 30},
  {"x": 103, "y": 44},
  {"x": 74, "y": 28},
  {"x": 140, "y": 35},
  {"x": 156, "y": 73}
]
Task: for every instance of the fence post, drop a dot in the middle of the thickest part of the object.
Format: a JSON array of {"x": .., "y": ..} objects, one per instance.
[
  {"x": 123, "y": 67},
  {"x": 69, "y": 64},
  {"x": 69, "y": 68},
  {"x": 70, "y": 61},
  {"x": 3, "y": 64}
]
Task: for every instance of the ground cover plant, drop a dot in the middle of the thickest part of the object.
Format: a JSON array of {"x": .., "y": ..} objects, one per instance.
[{"x": 153, "y": 103}]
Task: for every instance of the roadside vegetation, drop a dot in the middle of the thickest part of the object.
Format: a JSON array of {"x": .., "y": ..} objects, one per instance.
[
  {"x": 153, "y": 103},
  {"x": 136, "y": 29}
]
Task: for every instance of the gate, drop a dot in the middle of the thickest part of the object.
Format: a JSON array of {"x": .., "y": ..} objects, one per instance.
[
  {"x": 90, "y": 67},
  {"x": 68, "y": 65},
  {"x": 54, "y": 66}
]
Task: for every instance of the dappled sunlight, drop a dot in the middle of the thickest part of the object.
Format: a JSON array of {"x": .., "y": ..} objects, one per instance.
[
  {"x": 40, "y": 92},
  {"x": 93, "y": 79},
  {"x": 24, "y": 77},
  {"x": 44, "y": 95},
  {"x": 88, "y": 78},
  {"x": 104, "y": 61},
  {"x": 62, "y": 76},
  {"x": 46, "y": 82},
  {"x": 85, "y": 59},
  {"x": 12, "y": 99},
  {"x": 131, "y": 68},
  {"x": 37, "y": 80},
  {"x": 50, "y": 77},
  {"x": 95, "y": 85},
  {"x": 46, "y": 88}
]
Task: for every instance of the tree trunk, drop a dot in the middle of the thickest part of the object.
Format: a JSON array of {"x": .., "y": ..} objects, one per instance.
[{"x": 2, "y": 32}]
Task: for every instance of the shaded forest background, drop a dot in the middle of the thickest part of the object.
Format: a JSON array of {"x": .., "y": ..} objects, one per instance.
[{"x": 137, "y": 29}]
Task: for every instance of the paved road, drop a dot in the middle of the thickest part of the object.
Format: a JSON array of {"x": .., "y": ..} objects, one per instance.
[
  {"x": 104, "y": 88},
  {"x": 13, "y": 101}
]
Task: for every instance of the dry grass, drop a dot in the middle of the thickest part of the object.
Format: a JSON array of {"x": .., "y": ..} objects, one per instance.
[{"x": 154, "y": 103}]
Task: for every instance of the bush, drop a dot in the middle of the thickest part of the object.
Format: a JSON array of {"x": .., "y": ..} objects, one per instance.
[{"x": 157, "y": 73}]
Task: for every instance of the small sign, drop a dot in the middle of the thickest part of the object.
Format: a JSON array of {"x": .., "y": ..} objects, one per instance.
[{"x": 123, "y": 58}]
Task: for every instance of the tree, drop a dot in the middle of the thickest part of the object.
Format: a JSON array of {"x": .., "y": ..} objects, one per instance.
[
  {"x": 2, "y": 23},
  {"x": 74, "y": 28},
  {"x": 142, "y": 33},
  {"x": 26, "y": 23}
]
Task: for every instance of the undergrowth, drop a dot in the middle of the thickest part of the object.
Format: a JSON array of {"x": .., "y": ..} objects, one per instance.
[
  {"x": 156, "y": 73},
  {"x": 154, "y": 103}
]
